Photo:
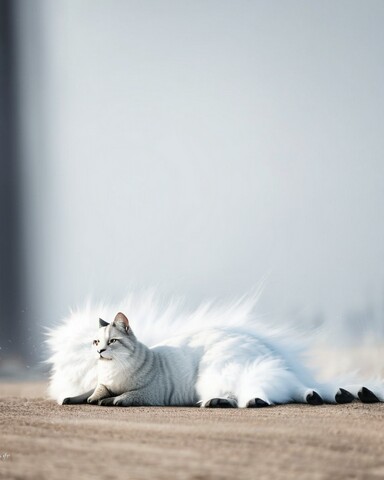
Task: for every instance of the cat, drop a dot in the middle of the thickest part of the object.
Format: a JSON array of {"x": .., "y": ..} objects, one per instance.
[{"x": 217, "y": 366}]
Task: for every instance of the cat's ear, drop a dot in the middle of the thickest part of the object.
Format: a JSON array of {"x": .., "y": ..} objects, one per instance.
[
  {"x": 121, "y": 321},
  {"x": 102, "y": 323}
]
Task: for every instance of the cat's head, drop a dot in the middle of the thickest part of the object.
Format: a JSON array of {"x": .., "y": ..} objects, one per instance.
[{"x": 114, "y": 339}]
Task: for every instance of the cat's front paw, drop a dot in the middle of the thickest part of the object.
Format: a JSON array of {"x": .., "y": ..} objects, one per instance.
[
  {"x": 92, "y": 400},
  {"x": 113, "y": 402},
  {"x": 107, "y": 402}
]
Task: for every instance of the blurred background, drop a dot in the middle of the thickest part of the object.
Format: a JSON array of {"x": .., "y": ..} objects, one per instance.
[{"x": 197, "y": 147}]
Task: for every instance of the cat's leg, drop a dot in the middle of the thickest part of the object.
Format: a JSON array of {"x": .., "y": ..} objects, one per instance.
[
  {"x": 135, "y": 398},
  {"x": 215, "y": 386},
  {"x": 263, "y": 382},
  {"x": 77, "y": 400},
  {"x": 100, "y": 392},
  {"x": 254, "y": 397}
]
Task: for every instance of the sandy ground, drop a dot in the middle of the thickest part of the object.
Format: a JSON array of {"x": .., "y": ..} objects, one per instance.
[{"x": 42, "y": 440}]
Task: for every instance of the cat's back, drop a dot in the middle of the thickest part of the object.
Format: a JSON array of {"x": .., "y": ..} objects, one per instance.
[{"x": 215, "y": 343}]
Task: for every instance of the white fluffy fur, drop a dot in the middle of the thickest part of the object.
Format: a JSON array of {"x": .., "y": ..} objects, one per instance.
[{"x": 239, "y": 353}]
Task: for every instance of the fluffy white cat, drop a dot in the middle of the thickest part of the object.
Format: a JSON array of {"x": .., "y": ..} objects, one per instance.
[{"x": 214, "y": 357}]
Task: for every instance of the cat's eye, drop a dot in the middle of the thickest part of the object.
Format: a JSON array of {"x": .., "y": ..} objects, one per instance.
[{"x": 113, "y": 340}]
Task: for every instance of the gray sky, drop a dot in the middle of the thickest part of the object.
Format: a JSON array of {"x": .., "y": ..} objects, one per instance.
[{"x": 198, "y": 146}]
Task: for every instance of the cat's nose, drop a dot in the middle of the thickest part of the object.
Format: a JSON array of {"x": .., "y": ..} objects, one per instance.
[{"x": 101, "y": 351}]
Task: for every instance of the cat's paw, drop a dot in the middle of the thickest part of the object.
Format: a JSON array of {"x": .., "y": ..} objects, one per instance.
[
  {"x": 257, "y": 403},
  {"x": 92, "y": 400},
  {"x": 313, "y": 398},
  {"x": 107, "y": 402},
  {"x": 367, "y": 396},
  {"x": 343, "y": 396},
  {"x": 221, "y": 403},
  {"x": 66, "y": 401}
]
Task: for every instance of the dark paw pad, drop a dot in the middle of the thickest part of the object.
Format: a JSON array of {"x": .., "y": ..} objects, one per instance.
[
  {"x": 366, "y": 396},
  {"x": 343, "y": 396},
  {"x": 257, "y": 403},
  {"x": 219, "y": 403},
  {"x": 314, "y": 398}
]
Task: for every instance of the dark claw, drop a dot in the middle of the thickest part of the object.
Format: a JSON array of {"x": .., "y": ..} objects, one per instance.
[
  {"x": 257, "y": 403},
  {"x": 219, "y": 403},
  {"x": 314, "y": 399},
  {"x": 343, "y": 396},
  {"x": 366, "y": 396}
]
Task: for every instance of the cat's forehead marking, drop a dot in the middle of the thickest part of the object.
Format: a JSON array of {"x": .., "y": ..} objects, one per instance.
[
  {"x": 104, "y": 331},
  {"x": 108, "y": 330}
]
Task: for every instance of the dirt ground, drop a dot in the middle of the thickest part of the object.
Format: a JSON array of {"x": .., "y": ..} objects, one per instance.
[{"x": 42, "y": 440}]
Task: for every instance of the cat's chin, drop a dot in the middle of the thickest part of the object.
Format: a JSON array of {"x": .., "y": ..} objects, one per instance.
[{"x": 104, "y": 358}]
